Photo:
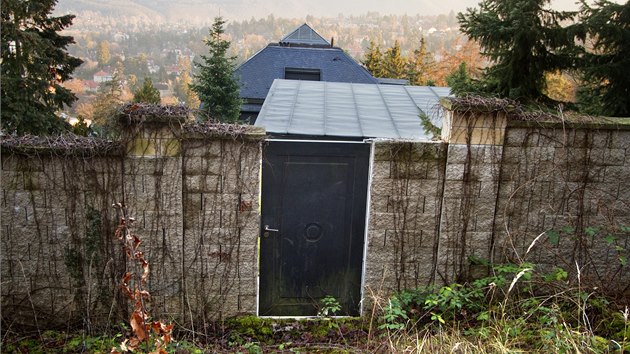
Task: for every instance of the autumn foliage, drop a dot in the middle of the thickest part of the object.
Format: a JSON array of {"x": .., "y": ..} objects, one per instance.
[{"x": 152, "y": 336}]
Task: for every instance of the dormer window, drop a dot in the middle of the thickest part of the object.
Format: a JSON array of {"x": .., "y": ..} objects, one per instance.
[{"x": 302, "y": 74}]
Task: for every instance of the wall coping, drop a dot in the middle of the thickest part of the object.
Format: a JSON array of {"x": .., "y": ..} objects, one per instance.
[
  {"x": 575, "y": 122},
  {"x": 62, "y": 145},
  {"x": 517, "y": 116}
]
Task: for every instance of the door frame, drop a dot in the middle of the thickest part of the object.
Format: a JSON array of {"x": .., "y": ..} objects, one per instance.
[{"x": 367, "y": 217}]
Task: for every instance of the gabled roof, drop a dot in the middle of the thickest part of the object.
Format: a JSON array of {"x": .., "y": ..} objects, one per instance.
[
  {"x": 102, "y": 73},
  {"x": 257, "y": 74},
  {"x": 304, "y": 35},
  {"x": 318, "y": 108}
]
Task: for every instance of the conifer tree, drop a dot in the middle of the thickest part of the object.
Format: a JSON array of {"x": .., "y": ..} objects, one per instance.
[
  {"x": 215, "y": 84},
  {"x": 394, "y": 64},
  {"x": 460, "y": 81},
  {"x": 374, "y": 60},
  {"x": 607, "y": 67},
  {"x": 106, "y": 105},
  {"x": 147, "y": 93},
  {"x": 524, "y": 39},
  {"x": 419, "y": 65},
  {"x": 35, "y": 62}
]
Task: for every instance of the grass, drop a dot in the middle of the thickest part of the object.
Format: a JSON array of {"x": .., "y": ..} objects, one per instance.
[
  {"x": 550, "y": 324},
  {"x": 516, "y": 309}
]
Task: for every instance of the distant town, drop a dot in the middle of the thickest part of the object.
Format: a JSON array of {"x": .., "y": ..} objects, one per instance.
[{"x": 166, "y": 52}]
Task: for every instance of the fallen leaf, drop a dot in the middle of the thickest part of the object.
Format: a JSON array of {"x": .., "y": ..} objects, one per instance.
[{"x": 137, "y": 325}]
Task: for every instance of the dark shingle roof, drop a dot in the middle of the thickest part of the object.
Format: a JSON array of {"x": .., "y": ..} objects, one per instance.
[
  {"x": 304, "y": 35},
  {"x": 257, "y": 74}
]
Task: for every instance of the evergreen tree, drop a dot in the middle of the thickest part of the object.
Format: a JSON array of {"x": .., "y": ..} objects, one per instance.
[
  {"x": 419, "y": 65},
  {"x": 374, "y": 60},
  {"x": 460, "y": 81},
  {"x": 106, "y": 105},
  {"x": 34, "y": 64},
  {"x": 394, "y": 64},
  {"x": 524, "y": 40},
  {"x": 607, "y": 66},
  {"x": 147, "y": 93},
  {"x": 215, "y": 83}
]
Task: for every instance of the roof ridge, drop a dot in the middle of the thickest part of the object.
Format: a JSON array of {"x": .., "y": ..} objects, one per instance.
[{"x": 305, "y": 34}]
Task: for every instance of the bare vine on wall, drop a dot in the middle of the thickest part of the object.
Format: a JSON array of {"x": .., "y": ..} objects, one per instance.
[
  {"x": 414, "y": 191},
  {"x": 58, "y": 186},
  {"x": 152, "y": 336},
  {"x": 60, "y": 190},
  {"x": 552, "y": 183}
]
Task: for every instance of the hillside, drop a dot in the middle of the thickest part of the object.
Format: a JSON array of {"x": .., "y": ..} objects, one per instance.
[{"x": 200, "y": 11}]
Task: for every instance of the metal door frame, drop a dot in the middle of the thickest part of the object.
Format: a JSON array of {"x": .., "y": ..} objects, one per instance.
[{"x": 367, "y": 219}]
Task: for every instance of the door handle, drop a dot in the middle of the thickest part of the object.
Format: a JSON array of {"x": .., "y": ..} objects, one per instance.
[{"x": 270, "y": 230}]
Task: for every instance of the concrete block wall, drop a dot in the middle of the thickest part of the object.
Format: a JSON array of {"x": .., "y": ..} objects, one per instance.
[
  {"x": 493, "y": 194},
  {"x": 407, "y": 182},
  {"x": 194, "y": 197},
  {"x": 55, "y": 266},
  {"x": 152, "y": 182},
  {"x": 573, "y": 185},
  {"x": 221, "y": 226}
]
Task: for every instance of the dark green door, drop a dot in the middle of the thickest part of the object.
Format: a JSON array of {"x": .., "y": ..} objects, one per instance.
[{"x": 312, "y": 226}]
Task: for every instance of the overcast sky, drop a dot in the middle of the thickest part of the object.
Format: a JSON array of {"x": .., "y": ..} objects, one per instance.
[
  {"x": 411, "y": 7},
  {"x": 245, "y": 9}
]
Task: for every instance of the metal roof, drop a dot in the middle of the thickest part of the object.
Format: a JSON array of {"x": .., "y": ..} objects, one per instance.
[
  {"x": 304, "y": 35},
  {"x": 340, "y": 109}
]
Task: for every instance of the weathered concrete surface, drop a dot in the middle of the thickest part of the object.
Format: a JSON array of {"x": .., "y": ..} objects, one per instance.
[{"x": 434, "y": 205}]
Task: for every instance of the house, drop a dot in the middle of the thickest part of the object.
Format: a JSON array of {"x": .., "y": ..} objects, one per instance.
[
  {"x": 90, "y": 86},
  {"x": 102, "y": 76},
  {"x": 164, "y": 88},
  {"x": 173, "y": 70},
  {"x": 301, "y": 55}
]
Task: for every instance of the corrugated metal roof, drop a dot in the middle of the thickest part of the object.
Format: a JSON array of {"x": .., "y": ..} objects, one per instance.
[{"x": 349, "y": 109}]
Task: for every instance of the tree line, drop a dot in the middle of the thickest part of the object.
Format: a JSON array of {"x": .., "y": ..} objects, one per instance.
[{"x": 524, "y": 42}]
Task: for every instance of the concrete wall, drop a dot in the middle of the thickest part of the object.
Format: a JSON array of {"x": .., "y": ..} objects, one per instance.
[
  {"x": 194, "y": 196},
  {"x": 487, "y": 191},
  {"x": 492, "y": 187}
]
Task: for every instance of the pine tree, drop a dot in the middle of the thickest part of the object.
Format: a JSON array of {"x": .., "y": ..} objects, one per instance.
[
  {"x": 106, "y": 105},
  {"x": 394, "y": 64},
  {"x": 34, "y": 64},
  {"x": 215, "y": 83},
  {"x": 524, "y": 40},
  {"x": 147, "y": 93},
  {"x": 606, "y": 67},
  {"x": 419, "y": 65},
  {"x": 460, "y": 81},
  {"x": 374, "y": 60}
]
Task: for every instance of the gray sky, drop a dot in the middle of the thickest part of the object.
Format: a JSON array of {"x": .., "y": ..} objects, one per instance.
[
  {"x": 293, "y": 8},
  {"x": 199, "y": 10}
]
